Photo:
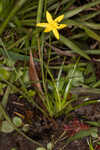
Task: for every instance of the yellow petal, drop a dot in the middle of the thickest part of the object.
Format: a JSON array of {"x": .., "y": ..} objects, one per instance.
[
  {"x": 61, "y": 26},
  {"x": 56, "y": 33},
  {"x": 49, "y": 17},
  {"x": 58, "y": 19},
  {"x": 47, "y": 29},
  {"x": 42, "y": 25}
]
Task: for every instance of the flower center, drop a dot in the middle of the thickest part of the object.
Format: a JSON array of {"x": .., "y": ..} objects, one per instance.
[{"x": 54, "y": 25}]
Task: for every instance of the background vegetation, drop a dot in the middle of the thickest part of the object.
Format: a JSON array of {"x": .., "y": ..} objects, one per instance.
[{"x": 54, "y": 77}]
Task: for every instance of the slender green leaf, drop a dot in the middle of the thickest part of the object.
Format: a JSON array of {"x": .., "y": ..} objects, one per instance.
[
  {"x": 80, "y": 9},
  {"x": 39, "y": 12},
  {"x": 94, "y": 123},
  {"x": 11, "y": 14},
  {"x": 88, "y": 16},
  {"x": 92, "y": 34},
  {"x": 73, "y": 46}
]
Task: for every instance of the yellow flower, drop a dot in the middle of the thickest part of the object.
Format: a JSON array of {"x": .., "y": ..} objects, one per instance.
[{"x": 52, "y": 25}]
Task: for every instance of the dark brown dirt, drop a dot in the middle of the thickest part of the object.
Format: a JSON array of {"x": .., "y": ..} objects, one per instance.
[{"x": 44, "y": 130}]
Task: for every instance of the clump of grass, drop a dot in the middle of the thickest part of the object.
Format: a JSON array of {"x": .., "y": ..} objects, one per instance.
[{"x": 19, "y": 35}]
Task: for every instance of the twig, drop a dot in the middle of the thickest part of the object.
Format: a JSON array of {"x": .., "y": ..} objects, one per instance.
[{"x": 60, "y": 52}]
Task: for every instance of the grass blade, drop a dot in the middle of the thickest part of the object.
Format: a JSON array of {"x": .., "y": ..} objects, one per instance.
[
  {"x": 80, "y": 9},
  {"x": 92, "y": 34},
  {"x": 12, "y": 13},
  {"x": 39, "y": 12},
  {"x": 73, "y": 46},
  {"x": 70, "y": 81}
]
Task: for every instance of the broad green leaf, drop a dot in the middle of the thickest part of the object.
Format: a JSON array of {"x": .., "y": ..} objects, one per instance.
[
  {"x": 25, "y": 76},
  {"x": 90, "y": 76},
  {"x": 5, "y": 74},
  {"x": 82, "y": 134},
  {"x": 94, "y": 134},
  {"x": 17, "y": 121},
  {"x": 50, "y": 146},
  {"x": 26, "y": 127},
  {"x": 77, "y": 77},
  {"x": 9, "y": 62},
  {"x": 69, "y": 85},
  {"x": 6, "y": 127},
  {"x": 31, "y": 93}
]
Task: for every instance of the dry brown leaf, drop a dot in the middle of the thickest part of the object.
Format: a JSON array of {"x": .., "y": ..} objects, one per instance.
[
  {"x": 33, "y": 74},
  {"x": 34, "y": 77}
]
